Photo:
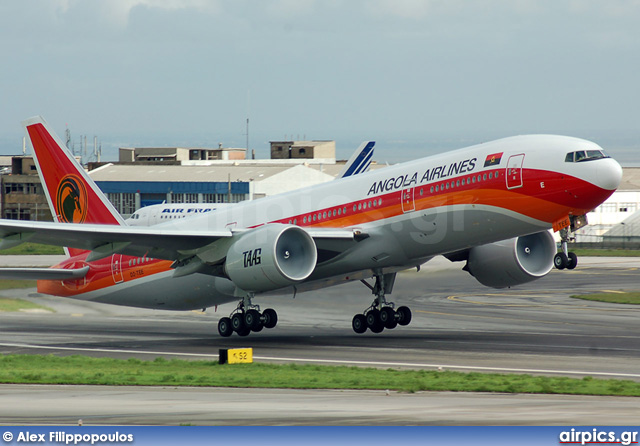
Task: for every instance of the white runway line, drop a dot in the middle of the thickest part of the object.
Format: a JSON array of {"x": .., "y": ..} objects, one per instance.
[{"x": 448, "y": 367}]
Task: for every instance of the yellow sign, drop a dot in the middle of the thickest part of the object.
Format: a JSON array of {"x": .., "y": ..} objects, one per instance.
[{"x": 236, "y": 356}]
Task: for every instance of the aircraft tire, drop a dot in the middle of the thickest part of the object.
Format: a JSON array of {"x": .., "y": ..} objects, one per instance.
[
  {"x": 237, "y": 322},
  {"x": 573, "y": 260},
  {"x": 224, "y": 327},
  {"x": 388, "y": 318},
  {"x": 404, "y": 315},
  {"x": 359, "y": 323},
  {"x": 252, "y": 320},
  {"x": 373, "y": 321},
  {"x": 560, "y": 260},
  {"x": 244, "y": 332},
  {"x": 270, "y": 318}
]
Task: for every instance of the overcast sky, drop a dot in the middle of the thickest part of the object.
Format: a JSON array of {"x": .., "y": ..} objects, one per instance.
[{"x": 406, "y": 73}]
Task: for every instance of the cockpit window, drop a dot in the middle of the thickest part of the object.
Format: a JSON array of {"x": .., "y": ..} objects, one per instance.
[{"x": 584, "y": 155}]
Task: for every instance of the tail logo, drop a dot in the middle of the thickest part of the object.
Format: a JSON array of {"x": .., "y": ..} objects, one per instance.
[{"x": 71, "y": 200}]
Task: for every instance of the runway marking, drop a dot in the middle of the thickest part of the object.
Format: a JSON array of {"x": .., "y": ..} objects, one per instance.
[
  {"x": 344, "y": 362},
  {"x": 545, "y": 305},
  {"x": 480, "y": 316}
]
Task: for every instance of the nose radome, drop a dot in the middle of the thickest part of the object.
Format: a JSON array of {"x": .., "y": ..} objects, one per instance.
[{"x": 609, "y": 174}]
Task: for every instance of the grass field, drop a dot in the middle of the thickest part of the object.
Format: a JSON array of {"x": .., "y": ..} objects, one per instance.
[
  {"x": 621, "y": 297},
  {"x": 37, "y": 369},
  {"x": 605, "y": 253},
  {"x": 9, "y": 284},
  {"x": 7, "y": 305},
  {"x": 32, "y": 249}
]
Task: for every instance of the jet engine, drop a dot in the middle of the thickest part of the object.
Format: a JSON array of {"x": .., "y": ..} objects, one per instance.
[
  {"x": 512, "y": 262},
  {"x": 271, "y": 257}
]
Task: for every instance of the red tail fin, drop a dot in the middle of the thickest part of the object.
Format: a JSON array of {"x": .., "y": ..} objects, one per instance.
[{"x": 72, "y": 195}]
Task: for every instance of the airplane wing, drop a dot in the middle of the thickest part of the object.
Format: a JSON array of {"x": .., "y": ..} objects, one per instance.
[
  {"x": 359, "y": 161},
  {"x": 160, "y": 243},
  {"x": 104, "y": 240}
]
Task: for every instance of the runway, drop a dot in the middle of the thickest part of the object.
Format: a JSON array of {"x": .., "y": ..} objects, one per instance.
[{"x": 457, "y": 324}]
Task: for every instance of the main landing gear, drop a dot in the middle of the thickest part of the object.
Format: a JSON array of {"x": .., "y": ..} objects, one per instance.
[
  {"x": 381, "y": 314},
  {"x": 565, "y": 259},
  {"x": 247, "y": 318}
]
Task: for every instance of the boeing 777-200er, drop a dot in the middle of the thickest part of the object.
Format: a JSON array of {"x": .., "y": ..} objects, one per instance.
[{"x": 491, "y": 205}]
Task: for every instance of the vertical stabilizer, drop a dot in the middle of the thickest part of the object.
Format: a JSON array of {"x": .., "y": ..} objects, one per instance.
[
  {"x": 72, "y": 195},
  {"x": 360, "y": 161}
]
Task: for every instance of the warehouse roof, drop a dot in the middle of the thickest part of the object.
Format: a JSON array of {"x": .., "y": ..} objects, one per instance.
[{"x": 115, "y": 172}]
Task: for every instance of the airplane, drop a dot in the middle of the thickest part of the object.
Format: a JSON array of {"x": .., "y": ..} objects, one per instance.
[
  {"x": 153, "y": 214},
  {"x": 491, "y": 205}
]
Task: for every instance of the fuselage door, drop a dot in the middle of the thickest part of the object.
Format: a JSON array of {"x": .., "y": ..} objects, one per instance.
[
  {"x": 408, "y": 203},
  {"x": 514, "y": 171},
  {"x": 116, "y": 268}
]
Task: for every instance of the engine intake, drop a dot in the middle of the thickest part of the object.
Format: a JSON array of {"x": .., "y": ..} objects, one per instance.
[
  {"x": 512, "y": 262},
  {"x": 271, "y": 257}
]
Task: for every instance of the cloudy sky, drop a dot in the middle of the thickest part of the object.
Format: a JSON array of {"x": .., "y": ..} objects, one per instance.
[{"x": 415, "y": 75}]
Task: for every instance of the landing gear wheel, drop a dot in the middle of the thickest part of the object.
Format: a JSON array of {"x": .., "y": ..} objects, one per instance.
[
  {"x": 573, "y": 260},
  {"x": 388, "y": 318},
  {"x": 245, "y": 332},
  {"x": 237, "y": 323},
  {"x": 270, "y": 318},
  {"x": 359, "y": 323},
  {"x": 252, "y": 320},
  {"x": 404, "y": 315},
  {"x": 224, "y": 327},
  {"x": 373, "y": 321},
  {"x": 560, "y": 260}
]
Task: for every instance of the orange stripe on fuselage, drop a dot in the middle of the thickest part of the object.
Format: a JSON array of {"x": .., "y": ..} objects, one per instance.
[{"x": 101, "y": 274}]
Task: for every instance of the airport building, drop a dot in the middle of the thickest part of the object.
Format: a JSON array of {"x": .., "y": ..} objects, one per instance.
[
  {"x": 21, "y": 195},
  {"x": 178, "y": 154},
  {"x": 146, "y": 176},
  {"x": 154, "y": 184}
]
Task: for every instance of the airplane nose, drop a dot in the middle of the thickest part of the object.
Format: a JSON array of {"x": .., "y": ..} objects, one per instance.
[{"x": 609, "y": 174}]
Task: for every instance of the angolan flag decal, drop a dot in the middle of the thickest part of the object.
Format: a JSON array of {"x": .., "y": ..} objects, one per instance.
[{"x": 493, "y": 159}]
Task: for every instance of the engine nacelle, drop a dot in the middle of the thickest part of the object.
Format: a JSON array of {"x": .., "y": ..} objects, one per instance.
[
  {"x": 271, "y": 257},
  {"x": 513, "y": 262}
]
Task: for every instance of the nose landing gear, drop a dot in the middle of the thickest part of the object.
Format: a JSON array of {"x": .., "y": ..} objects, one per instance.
[
  {"x": 565, "y": 258},
  {"x": 381, "y": 314}
]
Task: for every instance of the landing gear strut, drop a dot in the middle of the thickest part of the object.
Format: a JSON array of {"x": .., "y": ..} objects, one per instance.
[
  {"x": 381, "y": 314},
  {"x": 565, "y": 259},
  {"x": 247, "y": 318}
]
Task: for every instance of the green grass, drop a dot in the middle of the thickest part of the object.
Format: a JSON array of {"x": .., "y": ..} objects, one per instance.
[
  {"x": 606, "y": 253},
  {"x": 10, "y": 284},
  {"x": 632, "y": 298},
  {"x": 32, "y": 249},
  {"x": 36, "y": 369},
  {"x": 9, "y": 305}
]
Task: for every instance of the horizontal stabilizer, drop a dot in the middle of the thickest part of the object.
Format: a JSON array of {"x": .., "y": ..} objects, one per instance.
[{"x": 43, "y": 273}]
